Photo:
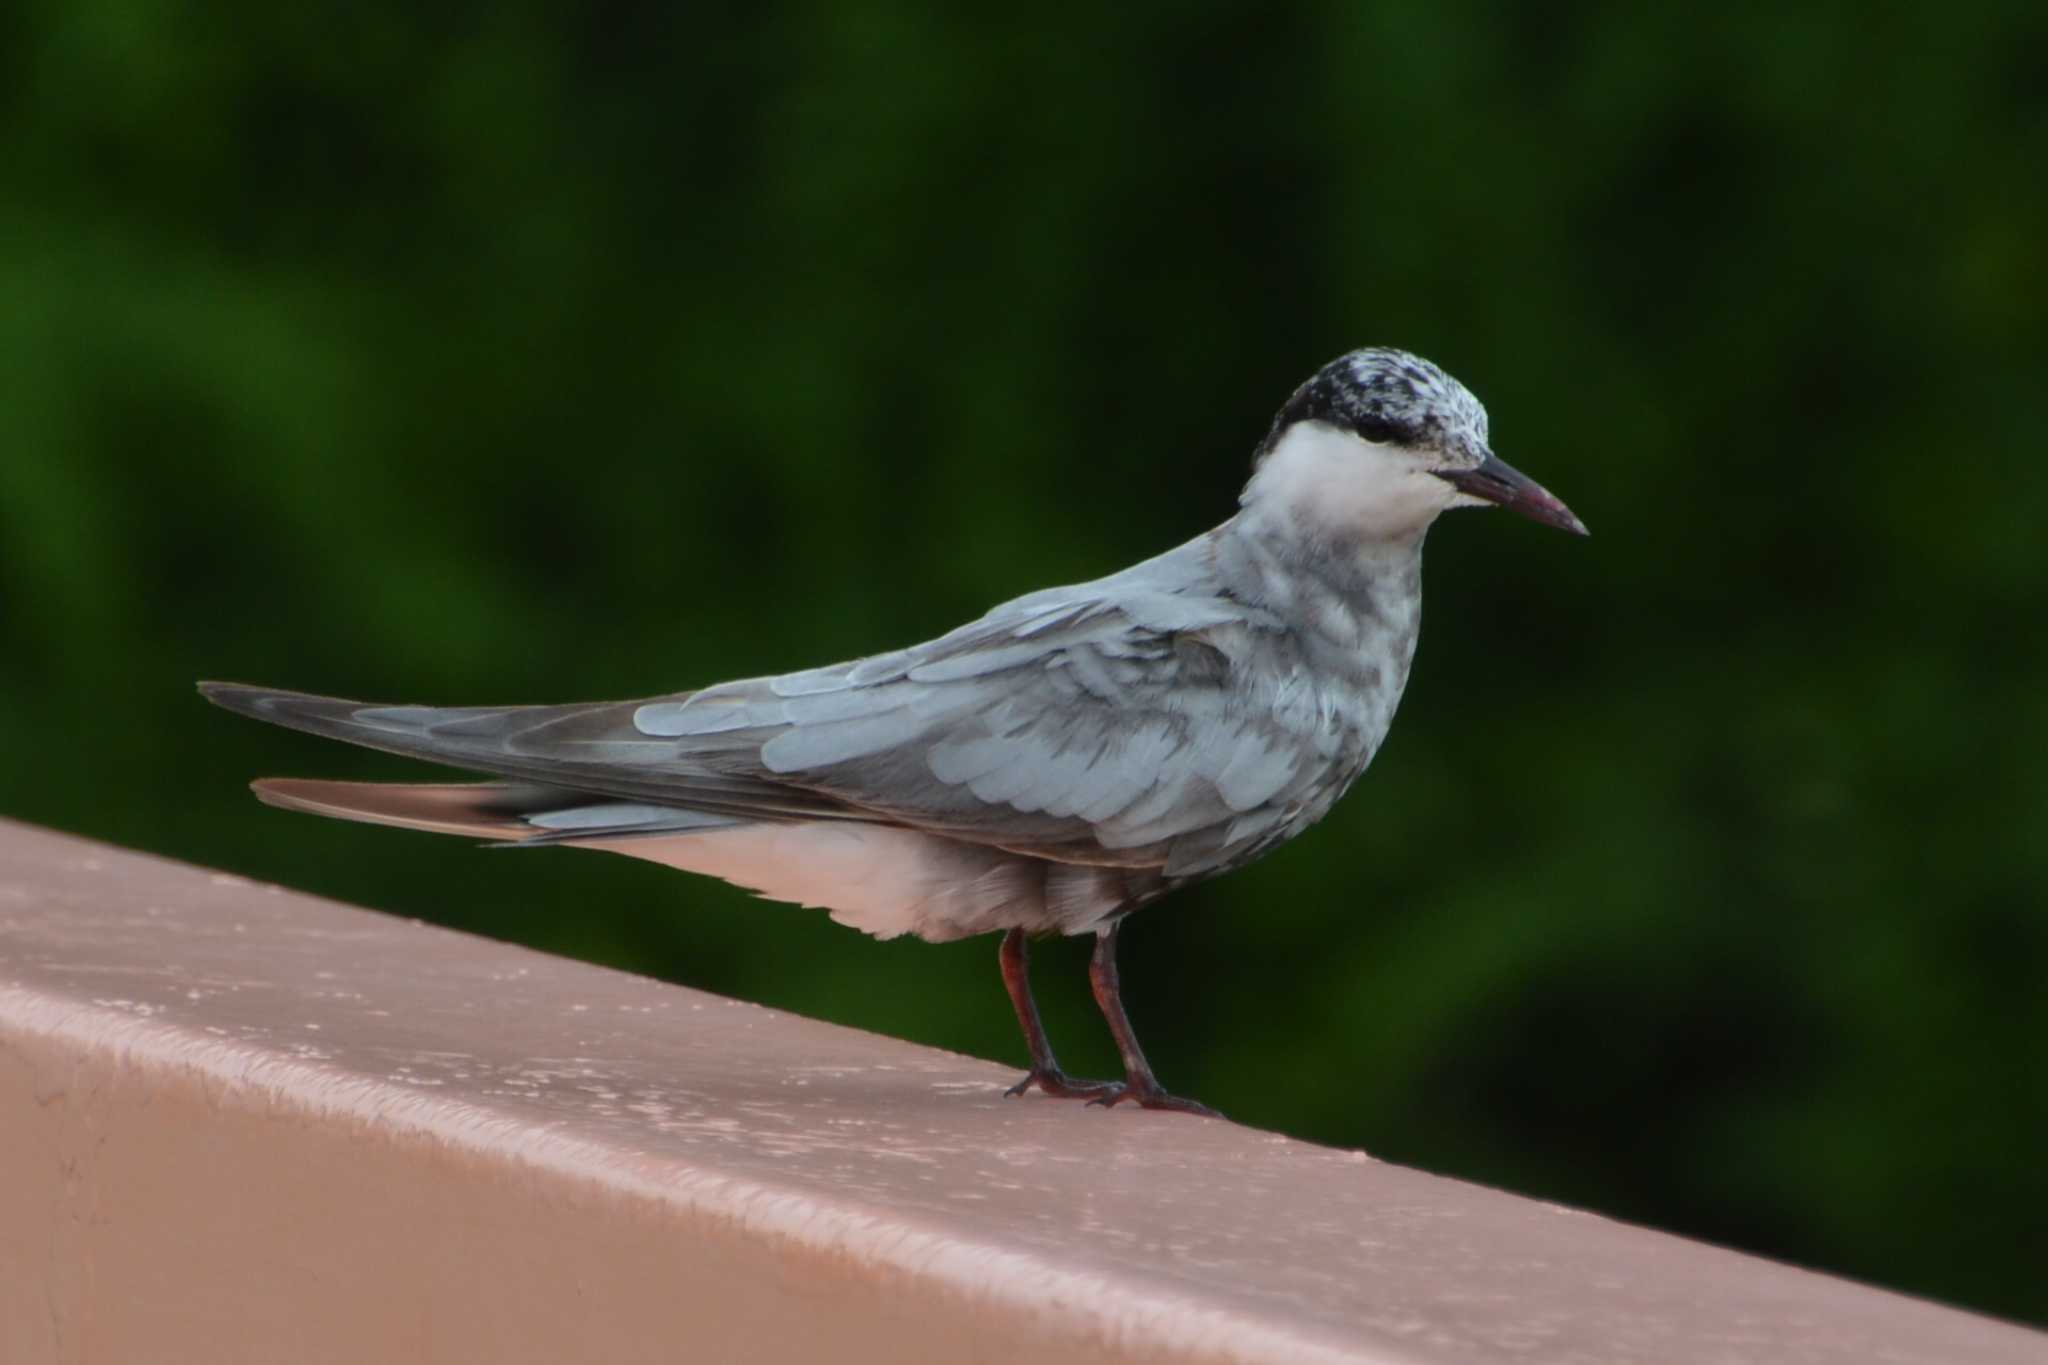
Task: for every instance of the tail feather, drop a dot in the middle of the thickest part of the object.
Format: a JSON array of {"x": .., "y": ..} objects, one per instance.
[
  {"x": 482, "y": 810},
  {"x": 519, "y": 812}
]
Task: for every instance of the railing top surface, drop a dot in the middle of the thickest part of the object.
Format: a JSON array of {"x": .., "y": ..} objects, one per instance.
[{"x": 1191, "y": 1236}]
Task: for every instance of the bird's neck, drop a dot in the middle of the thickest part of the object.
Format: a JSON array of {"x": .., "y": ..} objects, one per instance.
[{"x": 1354, "y": 593}]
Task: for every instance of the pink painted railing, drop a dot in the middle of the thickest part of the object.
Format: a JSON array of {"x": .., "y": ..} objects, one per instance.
[{"x": 241, "y": 1124}]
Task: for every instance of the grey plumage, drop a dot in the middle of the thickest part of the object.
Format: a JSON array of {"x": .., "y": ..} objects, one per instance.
[
  {"x": 1152, "y": 721},
  {"x": 1066, "y": 758}
]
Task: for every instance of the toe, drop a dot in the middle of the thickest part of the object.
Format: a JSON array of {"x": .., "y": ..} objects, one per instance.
[{"x": 1060, "y": 1086}]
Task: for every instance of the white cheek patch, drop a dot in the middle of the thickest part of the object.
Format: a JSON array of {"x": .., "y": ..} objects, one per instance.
[{"x": 1333, "y": 479}]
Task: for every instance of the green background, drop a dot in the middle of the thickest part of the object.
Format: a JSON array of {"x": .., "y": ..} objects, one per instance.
[{"x": 536, "y": 352}]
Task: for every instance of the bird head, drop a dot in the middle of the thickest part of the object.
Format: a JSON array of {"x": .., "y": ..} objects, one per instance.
[{"x": 1378, "y": 442}]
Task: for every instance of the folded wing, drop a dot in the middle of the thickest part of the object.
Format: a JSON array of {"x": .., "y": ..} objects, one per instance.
[{"x": 1154, "y": 731}]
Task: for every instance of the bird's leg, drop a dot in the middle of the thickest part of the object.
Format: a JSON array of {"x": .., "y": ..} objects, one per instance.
[
  {"x": 1139, "y": 1082},
  {"x": 1045, "y": 1068}
]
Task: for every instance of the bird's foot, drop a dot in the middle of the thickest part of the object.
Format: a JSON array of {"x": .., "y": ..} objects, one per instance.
[
  {"x": 1151, "y": 1095},
  {"x": 1061, "y": 1086}
]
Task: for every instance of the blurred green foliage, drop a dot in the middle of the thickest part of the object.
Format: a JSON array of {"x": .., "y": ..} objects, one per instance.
[{"x": 529, "y": 351}]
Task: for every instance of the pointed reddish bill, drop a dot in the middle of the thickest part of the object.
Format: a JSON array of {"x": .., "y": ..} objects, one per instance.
[{"x": 1497, "y": 481}]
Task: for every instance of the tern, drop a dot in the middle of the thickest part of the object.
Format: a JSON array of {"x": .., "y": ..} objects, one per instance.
[{"x": 1068, "y": 758}]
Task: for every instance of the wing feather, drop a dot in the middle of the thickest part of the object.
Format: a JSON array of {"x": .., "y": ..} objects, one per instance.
[
  {"x": 1087, "y": 733},
  {"x": 1116, "y": 724}
]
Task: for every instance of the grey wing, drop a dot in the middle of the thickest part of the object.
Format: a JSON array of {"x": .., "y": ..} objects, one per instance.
[
  {"x": 588, "y": 748},
  {"x": 1101, "y": 725},
  {"x": 1123, "y": 729}
]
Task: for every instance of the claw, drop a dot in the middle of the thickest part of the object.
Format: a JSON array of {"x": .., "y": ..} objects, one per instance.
[
  {"x": 1063, "y": 1087},
  {"x": 1153, "y": 1097}
]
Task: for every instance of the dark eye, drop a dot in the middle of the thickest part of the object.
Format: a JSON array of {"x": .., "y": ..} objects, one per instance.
[{"x": 1379, "y": 430}]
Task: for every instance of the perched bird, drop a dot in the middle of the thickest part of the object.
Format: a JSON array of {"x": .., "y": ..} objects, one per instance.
[{"x": 1069, "y": 757}]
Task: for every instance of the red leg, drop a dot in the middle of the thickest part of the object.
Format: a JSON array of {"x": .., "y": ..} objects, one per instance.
[
  {"x": 1045, "y": 1068},
  {"x": 1139, "y": 1082}
]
